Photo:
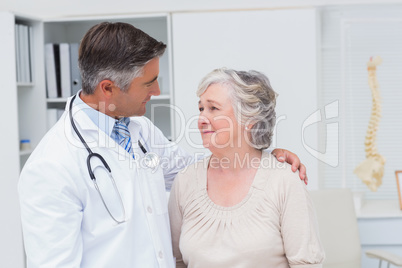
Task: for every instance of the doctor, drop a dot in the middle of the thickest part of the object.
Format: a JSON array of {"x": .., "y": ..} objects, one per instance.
[{"x": 92, "y": 193}]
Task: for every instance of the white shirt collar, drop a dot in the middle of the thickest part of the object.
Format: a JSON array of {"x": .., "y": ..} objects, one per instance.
[{"x": 101, "y": 120}]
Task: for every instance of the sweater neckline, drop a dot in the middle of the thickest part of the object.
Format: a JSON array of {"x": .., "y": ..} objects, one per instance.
[{"x": 256, "y": 182}]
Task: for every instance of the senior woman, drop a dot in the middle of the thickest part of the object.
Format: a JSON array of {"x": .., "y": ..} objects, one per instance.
[{"x": 240, "y": 207}]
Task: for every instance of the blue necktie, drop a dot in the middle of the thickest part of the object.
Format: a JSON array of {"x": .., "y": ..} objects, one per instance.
[{"x": 121, "y": 134}]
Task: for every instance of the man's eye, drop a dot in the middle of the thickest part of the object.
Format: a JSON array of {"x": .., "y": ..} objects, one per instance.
[
  {"x": 214, "y": 108},
  {"x": 201, "y": 109}
]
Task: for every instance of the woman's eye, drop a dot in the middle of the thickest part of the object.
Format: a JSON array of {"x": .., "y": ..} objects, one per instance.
[
  {"x": 214, "y": 108},
  {"x": 201, "y": 109}
]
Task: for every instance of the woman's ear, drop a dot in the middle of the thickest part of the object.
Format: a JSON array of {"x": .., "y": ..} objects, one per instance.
[{"x": 249, "y": 126}]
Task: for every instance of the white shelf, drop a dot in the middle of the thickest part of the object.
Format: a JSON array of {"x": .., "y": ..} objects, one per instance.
[
  {"x": 19, "y": 84},
  {"x": 108, "y": 17},
  {"x": 63, "y": 100},
  {"x": 58, "y": 100},
  {"x": 377, "y": 209},
  {"x": 161, "y": 97},
  {"x": 26, "y": 152}
]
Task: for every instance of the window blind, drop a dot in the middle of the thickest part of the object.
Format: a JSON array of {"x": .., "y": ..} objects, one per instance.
[{"x": 349, "y": 37}]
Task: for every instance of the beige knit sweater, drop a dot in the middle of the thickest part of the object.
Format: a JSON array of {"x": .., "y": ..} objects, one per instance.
[{"x": 273, "y": 226}]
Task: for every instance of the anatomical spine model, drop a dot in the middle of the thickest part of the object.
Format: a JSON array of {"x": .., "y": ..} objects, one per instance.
[{"x": 371, "y": 170}]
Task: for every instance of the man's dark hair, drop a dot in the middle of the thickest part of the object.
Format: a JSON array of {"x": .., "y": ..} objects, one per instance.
[{"x": 117, "y": 52}]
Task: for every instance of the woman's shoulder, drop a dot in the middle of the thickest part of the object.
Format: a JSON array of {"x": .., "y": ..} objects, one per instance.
[
  {"x": 269, "y": 163},
  {"x": 277, "y": 172},
  {"x": 279, "y": 182}
]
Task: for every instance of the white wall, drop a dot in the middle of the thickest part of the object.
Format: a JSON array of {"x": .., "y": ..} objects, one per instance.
[
  {"x": 280, "y": 43},
  {"x": 51, "y": 8}
]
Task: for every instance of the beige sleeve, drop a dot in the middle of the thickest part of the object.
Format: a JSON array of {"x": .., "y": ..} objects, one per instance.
[
  {"x": 176, "y": 219},
  {"x": 299, "y": 225}
]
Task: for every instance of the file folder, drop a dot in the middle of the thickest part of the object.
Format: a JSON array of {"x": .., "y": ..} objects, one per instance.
[
  {"x": 65, "y": 76},
  {"x": 50, "y": 66},
  {"x": 75, "y": 71}
]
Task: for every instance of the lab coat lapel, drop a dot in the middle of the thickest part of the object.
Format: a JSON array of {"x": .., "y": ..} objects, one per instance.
[{"x": 93, "y": 136}]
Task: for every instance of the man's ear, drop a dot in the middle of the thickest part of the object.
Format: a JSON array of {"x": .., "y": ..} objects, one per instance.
[{"x": 107, "y": 87}]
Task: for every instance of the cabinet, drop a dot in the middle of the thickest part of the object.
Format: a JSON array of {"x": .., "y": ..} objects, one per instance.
[
  {"x": 24, "y": 106},
  {"x": 379, "y": 228}
]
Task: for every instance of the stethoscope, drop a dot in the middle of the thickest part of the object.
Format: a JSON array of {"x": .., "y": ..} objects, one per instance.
[{"x": 151, "y": 160}]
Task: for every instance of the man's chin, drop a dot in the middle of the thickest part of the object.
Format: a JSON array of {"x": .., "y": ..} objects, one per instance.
[{"x": 139, "y": 113}]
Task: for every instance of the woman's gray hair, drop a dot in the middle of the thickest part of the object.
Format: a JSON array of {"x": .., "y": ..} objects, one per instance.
[
  {"x": 117, "y": 52},
  {"x": 253, "y": 101}
]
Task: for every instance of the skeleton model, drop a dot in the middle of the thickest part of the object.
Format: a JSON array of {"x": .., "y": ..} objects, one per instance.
[{"x": 371, "y": 170}]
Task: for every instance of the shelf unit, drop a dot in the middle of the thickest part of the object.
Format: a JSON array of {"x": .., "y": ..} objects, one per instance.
[
  {"x": 71, "y": 30},
  {"x": 31, "y": 98},
  {"x": 24, "y": 106}
]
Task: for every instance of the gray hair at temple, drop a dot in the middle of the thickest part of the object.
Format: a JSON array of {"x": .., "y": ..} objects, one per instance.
[
  {"x": 117, "y": 52},
  {"x": 253, "y": 101}
]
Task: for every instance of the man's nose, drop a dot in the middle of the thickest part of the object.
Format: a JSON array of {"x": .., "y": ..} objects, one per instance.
[{"x": 156, "y": 91}]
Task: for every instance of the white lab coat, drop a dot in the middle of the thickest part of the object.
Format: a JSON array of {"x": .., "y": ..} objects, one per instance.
[{"x": 65, "y": 223}]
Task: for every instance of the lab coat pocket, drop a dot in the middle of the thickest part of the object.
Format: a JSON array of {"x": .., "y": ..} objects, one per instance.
[{"x": 157, "y": 186}]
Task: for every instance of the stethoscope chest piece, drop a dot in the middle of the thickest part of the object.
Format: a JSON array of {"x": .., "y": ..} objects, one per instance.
[{"x": 151, "y": 160}]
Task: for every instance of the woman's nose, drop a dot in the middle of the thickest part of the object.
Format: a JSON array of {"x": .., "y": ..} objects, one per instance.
[{"x": 202, "y": 119}]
